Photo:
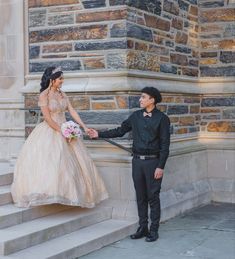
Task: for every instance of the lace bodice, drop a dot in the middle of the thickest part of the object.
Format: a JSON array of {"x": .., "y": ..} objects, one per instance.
[{"x": 57, "y": 105}]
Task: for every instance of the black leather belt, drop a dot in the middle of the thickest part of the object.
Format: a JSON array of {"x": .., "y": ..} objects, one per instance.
[{"x": 145, "y": 157}]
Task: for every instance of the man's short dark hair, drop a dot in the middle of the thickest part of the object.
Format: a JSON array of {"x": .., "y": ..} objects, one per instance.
[{"x": 153, "y": 92}]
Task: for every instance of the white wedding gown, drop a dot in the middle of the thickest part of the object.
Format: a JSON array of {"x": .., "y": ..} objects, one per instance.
[{"x": 50, "y": 170}]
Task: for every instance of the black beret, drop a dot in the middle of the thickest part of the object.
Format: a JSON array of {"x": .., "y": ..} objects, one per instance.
[{"x": 153, "y": 92}]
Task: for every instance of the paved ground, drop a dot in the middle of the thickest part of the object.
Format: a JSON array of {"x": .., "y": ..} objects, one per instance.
[{"x": 204, "y": 233}]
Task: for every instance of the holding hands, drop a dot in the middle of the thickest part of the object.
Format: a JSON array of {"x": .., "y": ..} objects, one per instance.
[
  {"x": 71, "y": 130},
  {"x": 92, "y": 133}
]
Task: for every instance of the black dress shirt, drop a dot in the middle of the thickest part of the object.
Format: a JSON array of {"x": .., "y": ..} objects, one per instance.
[{"x": 151, "y": 135}]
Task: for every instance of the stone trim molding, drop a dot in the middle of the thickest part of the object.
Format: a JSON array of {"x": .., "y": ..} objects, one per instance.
[
  {"x": 11, "y": 104},
  {"x": 12, "y": 132},
  {"x": 109, "y": 153},
  {"x": 134, "y": 81}
]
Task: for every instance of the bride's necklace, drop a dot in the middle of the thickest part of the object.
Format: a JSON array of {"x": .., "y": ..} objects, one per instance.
[{"x": 57, "y": 94}]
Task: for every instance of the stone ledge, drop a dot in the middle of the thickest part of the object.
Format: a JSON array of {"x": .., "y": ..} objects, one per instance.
[
  {"x": 11, "y": 104},
  {"x": 134, "y": 81},
  {"x": 110, "y": 153},
  {"x": 12, "y": 132}
]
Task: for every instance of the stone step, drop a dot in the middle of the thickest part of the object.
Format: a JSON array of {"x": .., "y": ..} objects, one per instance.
[
  {"x": 6, "y": 178},
  {"x": 5, "y": 194},
  {"x": 80, "y": 242},
  {"x": 10, "y": 215},
  {"x": 6, "y": 173},
  {"x": 40, "y": 230}
]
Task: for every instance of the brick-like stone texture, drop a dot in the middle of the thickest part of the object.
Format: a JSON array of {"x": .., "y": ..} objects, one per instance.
[
  {"x": 188, "y": 113},
  {"x": 90, "y": 4},
  {"x": 218, "y": 15},
  {"x": 217, "y": 31},
  {"x": 42, "y": 3},
  {"x": 69, "y": 33},
  {"x": 221, "y": 126},
  {"x": 185, "y": 37},
  {"x": 154, "y": 29},
  {"x": 101, "y": 16}
]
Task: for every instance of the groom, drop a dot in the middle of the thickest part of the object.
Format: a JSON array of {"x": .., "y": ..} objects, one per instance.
[{"x": 151, "y": 140}]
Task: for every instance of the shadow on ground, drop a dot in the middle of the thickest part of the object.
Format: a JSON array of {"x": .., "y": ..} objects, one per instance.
[{"x": 207, "y": 232}]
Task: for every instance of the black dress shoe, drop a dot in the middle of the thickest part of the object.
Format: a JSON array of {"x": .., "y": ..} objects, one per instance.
[
  {"x": 152, "y": 236},
  {"x": 141, "y": 232}
]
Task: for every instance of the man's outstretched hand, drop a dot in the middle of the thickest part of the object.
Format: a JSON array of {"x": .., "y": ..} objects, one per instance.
[{"x": 93, "y": 133}]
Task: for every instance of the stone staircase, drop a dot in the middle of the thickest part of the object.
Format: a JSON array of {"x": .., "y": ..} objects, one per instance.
[{"x": 54, "y": 231}]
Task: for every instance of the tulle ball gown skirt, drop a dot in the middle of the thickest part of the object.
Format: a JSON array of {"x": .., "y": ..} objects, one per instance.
[{"x": 50, "y": 170}]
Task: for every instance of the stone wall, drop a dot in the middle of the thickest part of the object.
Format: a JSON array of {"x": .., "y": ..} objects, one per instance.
[
  {"x": 189, "y": 114},
  {"x": 217, "y": 32},
  {"x": 185, "y": 37},
  {"x": 218, "y": 114},
  {"x": 163, "y": 39},
  {"x": 78, "y": 35},
  {"x": 176, "y": 39},
  {"x": 157, "y": 36}
]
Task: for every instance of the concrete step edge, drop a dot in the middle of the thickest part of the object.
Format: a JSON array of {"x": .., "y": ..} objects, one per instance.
[
  {"x": 10, "y": 215},
  {"x": 34, "y": 232},
  {"x": 5, "y": 194},
  {"x": 6, "y": 178},
  {"x": 80, "y": 242}
]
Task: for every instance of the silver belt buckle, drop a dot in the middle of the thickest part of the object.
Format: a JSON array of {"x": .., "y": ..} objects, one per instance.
[{"x": 142, "y": 157}]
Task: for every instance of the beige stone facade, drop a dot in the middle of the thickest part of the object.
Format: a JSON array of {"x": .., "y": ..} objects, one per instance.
[{"x": 12, "y": 59}]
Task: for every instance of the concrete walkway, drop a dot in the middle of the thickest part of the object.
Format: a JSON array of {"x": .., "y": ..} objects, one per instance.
[{"x": 207, "y": 232}]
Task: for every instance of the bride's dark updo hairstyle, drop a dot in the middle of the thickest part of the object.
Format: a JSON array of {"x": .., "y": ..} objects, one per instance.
[{"x": 50, "y": 73}]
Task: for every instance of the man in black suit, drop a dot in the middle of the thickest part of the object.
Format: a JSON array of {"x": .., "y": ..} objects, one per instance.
[{"x": 151, "y": 140}]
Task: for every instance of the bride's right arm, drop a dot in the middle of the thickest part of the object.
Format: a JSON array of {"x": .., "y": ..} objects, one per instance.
[{"x": 46, "y": 113}]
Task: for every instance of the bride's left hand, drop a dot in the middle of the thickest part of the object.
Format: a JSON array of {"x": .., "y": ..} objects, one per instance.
[{"x": 87, "y": 131}]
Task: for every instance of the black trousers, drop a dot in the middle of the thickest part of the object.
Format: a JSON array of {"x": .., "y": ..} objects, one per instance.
[{"x": 147, "y": 191}]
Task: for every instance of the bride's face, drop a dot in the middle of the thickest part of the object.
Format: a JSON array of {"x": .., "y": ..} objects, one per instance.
[{"x": 57, "y": 83}]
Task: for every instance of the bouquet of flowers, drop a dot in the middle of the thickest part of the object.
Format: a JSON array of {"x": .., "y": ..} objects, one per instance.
[{"x": 71, "y": 130}]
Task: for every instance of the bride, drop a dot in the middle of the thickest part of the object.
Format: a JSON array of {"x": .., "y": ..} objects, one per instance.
[{"x": 51, "y": 168}]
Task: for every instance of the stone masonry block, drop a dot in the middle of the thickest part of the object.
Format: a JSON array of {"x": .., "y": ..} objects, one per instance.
[
  {"x": 221, "y": 126},
  {"x": 177, "y": 109},
  {"x": 171, "y": 7},
  {"x": 181, "y": 38},
  {"x": 60, "y": 19},
  {"x": 56, "y": 48},
  {"x": 67, "y": 65},
  {"x": 88, "y": 4},
  {"x": 217, "y": 71},
  {"x": 179, "y": 59},
  {"x": 217, "y": 15},
  {"x": 157, "y": 23},
  {"x": 43, "y": 3},
  {"x": 227, "y": 56},
  {"x": 37, "y": 18},
  {"x": 186, "y": 121},
  {"x": 217, "y": 102},
  {"x": 138, "y": 32},
  {"x": 101, "y": 16},
  {"x": 94, "y": 63},
  {"x": 69, "y": 33},
  {"x": 177, "y": 23}
]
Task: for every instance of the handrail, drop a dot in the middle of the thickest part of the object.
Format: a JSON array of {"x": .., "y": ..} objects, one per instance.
[{"x": 34, "y": 111}]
